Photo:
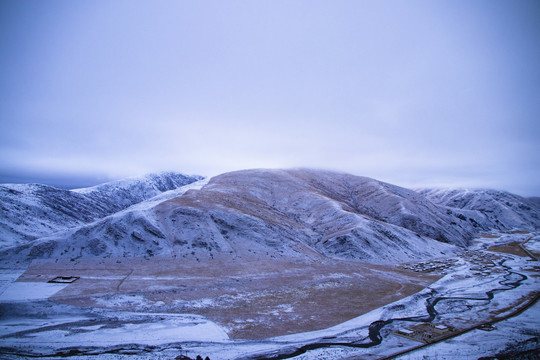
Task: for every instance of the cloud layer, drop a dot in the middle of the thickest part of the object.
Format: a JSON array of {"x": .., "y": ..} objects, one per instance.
[{"x": 414, "y": 93}]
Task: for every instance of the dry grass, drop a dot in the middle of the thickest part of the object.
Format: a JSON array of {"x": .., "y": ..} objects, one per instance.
[
  {"x": 510, "y": 248},
  {"x": 255, "y": 299},
  {"x": 489, "y": 236}
]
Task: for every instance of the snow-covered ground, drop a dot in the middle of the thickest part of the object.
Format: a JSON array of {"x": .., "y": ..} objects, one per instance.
[
  {"x": 533, "y": 244},
  {"x": 463, "y": 302},
  {"x": 12, "y": 291},
  {"x": 7, "y": 277},
  {"x": 27, "y": 291},
  {"x": 137, "y": 328},
  {"x": 519, "y": 333}
]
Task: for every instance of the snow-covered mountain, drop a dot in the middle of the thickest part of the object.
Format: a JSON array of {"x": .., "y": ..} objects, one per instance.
[
  {"x": 497, "y": 209},
  {"x": 258, "y": 213},
  {"x": 272, "y": 213},
  {"x": 31, "y": 211},
  {"x": 123, "y": 193},
  {"x": 535, "y": 201},
  {"x": 310, "y": 211}
]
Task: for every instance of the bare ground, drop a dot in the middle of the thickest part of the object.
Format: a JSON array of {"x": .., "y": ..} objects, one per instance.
[
  {"x": 510, "y": 248},
  {"x": 250, "y": 299}
]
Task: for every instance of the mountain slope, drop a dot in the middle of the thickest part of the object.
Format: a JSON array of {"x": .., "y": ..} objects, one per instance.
[
  {"x": 337, "y": 215},
  {"x": 499, "y": 209},
  {"x": 272, "y": 213},
  {"x": 31, "y": 211},
  {"x": 120, "y": 194}
]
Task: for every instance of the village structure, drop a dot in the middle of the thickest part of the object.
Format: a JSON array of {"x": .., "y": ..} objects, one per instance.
[
  {"x": 482, "y": 264},
  {"x": 426, "y": 332}
]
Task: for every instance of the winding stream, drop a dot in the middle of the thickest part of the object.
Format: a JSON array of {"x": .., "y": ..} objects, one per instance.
[{"x": 375, "y": 327}]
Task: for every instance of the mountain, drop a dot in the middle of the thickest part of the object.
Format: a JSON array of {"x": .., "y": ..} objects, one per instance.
[
  {"x": 291, "y": 211},
  {"x": 123, "y": 193},
  {"x": 271, "y": 213},
  {"x": 495, "y": 209},
  {"x": 298, "y": 213},
  {"x": 31, "y": 211},
  {"x": 534, "y": 201}
]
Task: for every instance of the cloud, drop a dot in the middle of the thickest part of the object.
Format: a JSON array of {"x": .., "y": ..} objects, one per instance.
[{"x": 407, "y": 92}]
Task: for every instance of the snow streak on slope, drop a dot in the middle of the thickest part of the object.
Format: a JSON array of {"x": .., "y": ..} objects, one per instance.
[
  {"x": 31, "y": 211},
  {"x": 494, "y": 209}
]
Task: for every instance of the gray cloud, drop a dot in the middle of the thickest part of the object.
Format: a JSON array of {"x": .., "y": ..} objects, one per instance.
[{"x": 415, "y": 93}]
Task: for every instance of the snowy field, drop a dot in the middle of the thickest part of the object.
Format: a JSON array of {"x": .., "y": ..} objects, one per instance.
[
  {"x": 533, "y": 244},
  {"x": 27, "y": 291},
  {"x": 520, "y": 333},
  {"x": 477, "y": 287}
]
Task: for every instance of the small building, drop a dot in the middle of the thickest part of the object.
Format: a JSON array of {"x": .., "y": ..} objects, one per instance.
[
  {"x": 425, "y": 332},
  {"x": 406, "y": 331},
  {"x": 408, "y": 334},
  {"x": 440, "y": 329}
]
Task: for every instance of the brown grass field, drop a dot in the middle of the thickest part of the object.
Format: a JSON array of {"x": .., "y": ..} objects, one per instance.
[
  {"x": 510, "y": 248},
  {"x": 250, "y": 299}
]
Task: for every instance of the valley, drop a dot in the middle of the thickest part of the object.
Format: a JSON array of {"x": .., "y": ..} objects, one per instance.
[
  {"x": 266, "y": 264},
  {"x": 156, "y": 309},
  {"x": 249, "y": 299}
]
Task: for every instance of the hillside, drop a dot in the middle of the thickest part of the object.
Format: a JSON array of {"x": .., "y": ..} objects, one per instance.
[
  {"x": 304, "y": 211},
  {"x": 250, "y": 214},
  {"x": 272, "y": 214},
  {"x": 499, "y": 209},
  {"x": 123, "y": 193},
  {"x": 31, "y": 211}
]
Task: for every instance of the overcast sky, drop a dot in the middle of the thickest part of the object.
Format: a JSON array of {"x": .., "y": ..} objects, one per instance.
[{"x": 416, "y": 93}]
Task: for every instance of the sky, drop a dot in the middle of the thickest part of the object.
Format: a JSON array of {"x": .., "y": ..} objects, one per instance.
[{"x": 415, "y": 93}]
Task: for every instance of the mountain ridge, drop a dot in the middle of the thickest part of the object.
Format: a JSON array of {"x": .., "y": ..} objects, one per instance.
[
  {"x": 501, "y": 210},
  {"x": 266, "y": 213},
  {"x": 31, "y": 211}
]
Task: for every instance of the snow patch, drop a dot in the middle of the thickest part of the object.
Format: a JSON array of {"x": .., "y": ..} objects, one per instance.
[{"x": 26, "y": 291}]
